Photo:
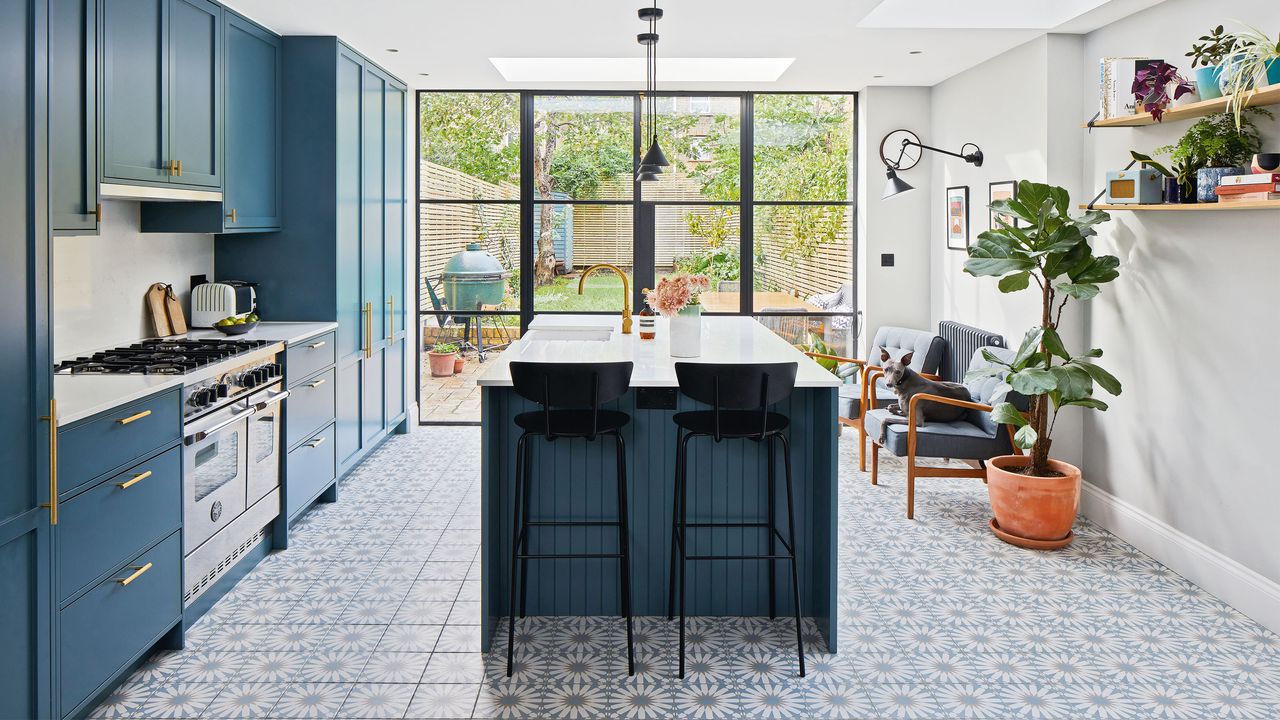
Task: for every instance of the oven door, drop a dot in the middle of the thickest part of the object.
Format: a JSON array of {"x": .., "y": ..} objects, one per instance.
[
  {"x": 264, "y": 443},
  {"x": 215, "y": 472}
]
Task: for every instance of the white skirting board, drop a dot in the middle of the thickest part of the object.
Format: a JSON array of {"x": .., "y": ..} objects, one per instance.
[{"x": 1247, "y": 591}]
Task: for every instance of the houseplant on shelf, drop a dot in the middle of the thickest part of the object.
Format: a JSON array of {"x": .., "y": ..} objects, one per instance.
[
  {"x": 1208, "y": 54},
  {"x": 1255, "y": 62},
  {"x": 676, "y": 298},
  {"x": 1153, "y": 84},
  {"x": 441, "y": 358},
  {"x": 1035, "y": 497},
  {"x": 1179, "y": 181},
  {"x": 1217, "y": 148}
]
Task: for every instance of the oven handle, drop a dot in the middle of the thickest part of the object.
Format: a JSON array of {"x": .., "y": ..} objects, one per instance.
[
  {"x": 259, "y": 407},
  {"x": 196, "y": 437}
]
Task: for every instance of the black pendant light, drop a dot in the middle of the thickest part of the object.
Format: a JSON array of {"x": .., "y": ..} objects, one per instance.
[{"x": 654, "y": 160}]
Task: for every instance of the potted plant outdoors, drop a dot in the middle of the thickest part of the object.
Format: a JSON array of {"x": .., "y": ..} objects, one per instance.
[
  {"x": 1218, "y": 149},
  {"x": 1035, "y": 497},
  {"x": 1255, "y": 62},
  {"x": 459, "y": 363},
  {"x": 1152, "y": 87},
  {"x": 1208, "y": 54},
  {"x": 441, "y": 358},
  {"x": 1179, "y": 181}
]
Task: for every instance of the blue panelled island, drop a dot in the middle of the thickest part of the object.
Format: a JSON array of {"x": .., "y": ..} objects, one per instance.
[{"x": 575, "y": 479}]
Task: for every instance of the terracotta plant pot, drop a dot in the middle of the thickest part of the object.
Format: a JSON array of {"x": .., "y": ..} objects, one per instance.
[
  {"x": 1038, "y": 510},
  {"x": 458, "y": 364},
  {"x": 441, "y": 363}
]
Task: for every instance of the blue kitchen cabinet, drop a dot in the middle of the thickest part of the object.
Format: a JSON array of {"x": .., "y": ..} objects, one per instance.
[
  {"x": 343, "y": 179},
  {"x": 73, "y": 116},
  {"x": 161, "y": 96},
  {"x": 26, "y": 415},
  {"x": 251, "y": 198}
]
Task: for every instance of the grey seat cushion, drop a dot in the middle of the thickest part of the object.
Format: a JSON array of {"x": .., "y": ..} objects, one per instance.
[
  {"x": 961, "y": 439},
  {"x": 851, "y": 398},
  {"x": 899, "y": 341}
]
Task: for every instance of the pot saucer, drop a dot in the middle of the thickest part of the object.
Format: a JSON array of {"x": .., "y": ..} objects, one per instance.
[{"x": 1028, "y": 543}]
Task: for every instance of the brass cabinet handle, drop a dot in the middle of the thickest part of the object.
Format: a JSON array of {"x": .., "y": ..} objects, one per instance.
[
  {"x": 179, "y": 168},
  {"x": 316, "y": 443},
  {"x": 391, "y": 316},
  {"x": 133, "y": 418},
  {"x": 97, "y": 213},
  {"x": 368, "y": 330},
  {"x": 316, "y": 345},
  {"x": 317, "y": 383},
  {"x": 52, "y": 419},
  {"x": 137, "y": 573},
  {"x": 232, "y": 216},
  {"x": 173, "y": 168},
  {"x": 134, "y": 480}
]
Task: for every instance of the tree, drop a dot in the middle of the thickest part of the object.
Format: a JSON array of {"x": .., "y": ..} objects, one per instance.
[{"x": 475, "y": 133}]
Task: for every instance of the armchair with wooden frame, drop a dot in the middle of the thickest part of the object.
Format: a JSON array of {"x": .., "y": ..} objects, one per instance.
[
  {"x": 975, "y": 437},
  {"x": 856, "y": 399}
]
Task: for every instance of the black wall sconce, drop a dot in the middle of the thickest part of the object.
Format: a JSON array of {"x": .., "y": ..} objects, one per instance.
[{"x": 901, "y": 150}]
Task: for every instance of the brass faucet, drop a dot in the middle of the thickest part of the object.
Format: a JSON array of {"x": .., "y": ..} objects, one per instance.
[{"x": 626, "y": 291}]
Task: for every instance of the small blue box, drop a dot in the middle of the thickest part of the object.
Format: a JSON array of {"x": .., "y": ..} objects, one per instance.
[{"x": 1141, "y": 186}]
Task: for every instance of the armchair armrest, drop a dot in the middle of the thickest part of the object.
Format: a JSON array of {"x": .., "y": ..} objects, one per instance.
[{"x": 925, "y": 397}]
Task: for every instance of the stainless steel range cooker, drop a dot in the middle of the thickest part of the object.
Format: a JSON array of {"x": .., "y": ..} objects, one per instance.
[{"x": 232, "y": 393}]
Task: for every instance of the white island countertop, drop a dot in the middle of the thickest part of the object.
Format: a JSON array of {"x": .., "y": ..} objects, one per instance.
[
  {"x": 725, "y": 339},
  {"x": 289, "y": 333}
]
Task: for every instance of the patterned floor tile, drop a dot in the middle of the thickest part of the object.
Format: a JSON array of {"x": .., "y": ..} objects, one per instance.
[
  {"x": 311, "y": 700},
  {"x": 370, "y": 701},
  {"x": 443, "y": 701}
]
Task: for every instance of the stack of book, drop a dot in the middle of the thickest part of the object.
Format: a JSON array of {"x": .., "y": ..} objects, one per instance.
[
  {"x": 1247, "y": 188},
  {"x": 1115, "y": 84}
]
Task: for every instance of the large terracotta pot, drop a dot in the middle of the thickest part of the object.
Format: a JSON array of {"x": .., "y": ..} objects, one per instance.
[
  {"x": 1036, "y": 509},
  {"x": 441, "y": 363}
]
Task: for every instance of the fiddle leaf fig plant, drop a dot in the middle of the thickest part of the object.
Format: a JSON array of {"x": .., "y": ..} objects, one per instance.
[{"x": 1050, "y": 251}]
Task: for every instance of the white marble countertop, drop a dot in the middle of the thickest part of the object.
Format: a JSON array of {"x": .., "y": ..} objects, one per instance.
[
  {"x": 289, "y": 333},
  {"x": 724, "y": 340},
  {"x": 82, "y": 396}
]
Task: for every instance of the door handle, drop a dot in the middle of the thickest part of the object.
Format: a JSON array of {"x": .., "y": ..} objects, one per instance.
[
  {"x": 134, "y": 480},
  {"x": 52, "y": 419},
  {"x": 232, "y": 216},
  {"x": 179, "y": 168},
  {"x": 137, "y": 573},
  {"x": 368, "y": 330},
  {"x": 173, "y": 168},
  {"x": 196, "y": 437},
  {"x": 97, "y": 213},
  {"x": 259, "y": 407},
  {"x": 391, "y": 319}
]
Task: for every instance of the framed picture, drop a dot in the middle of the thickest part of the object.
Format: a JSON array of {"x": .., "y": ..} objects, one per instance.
[
  {"x": 958, "y": 217},
  {"x": 1003, "y": 190}
]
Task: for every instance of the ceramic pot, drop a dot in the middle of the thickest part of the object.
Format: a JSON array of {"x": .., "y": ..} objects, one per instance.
[
  {"x": 1273, "y": 72},
  {"x": 1207, "y": 82},
  {"x": 1172, "y": 191},
  {"x": 458, "y": 364},
  {"x": 1189, "y": 191},
  {"x": 686, "y": 332},
  {"x": 1038, "y": 509},
  {"x": 1207, "y": 180},
  {"x": 441, "y": 363},
  {"x": 1266, "y": 162}
]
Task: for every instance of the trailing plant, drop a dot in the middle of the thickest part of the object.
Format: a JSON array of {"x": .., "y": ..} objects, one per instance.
[
  {"x": 1212, "y": 48},
  {"x": 1151, "y": 88},
  {"x": 1215, "y": 141},
  {"x": 1052, "y": 250},
  {"x": 1254, "y": 53}
]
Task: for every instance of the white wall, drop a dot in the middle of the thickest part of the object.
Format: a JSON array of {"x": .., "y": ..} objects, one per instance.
[
  {"x": 897, "y": 295},
  {"x": 99, "y": 282},
  {"x": 1177, "y": 465}
]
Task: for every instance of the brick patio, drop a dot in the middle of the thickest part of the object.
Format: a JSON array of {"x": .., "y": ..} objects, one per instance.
[{"x": 455, "y": 398}]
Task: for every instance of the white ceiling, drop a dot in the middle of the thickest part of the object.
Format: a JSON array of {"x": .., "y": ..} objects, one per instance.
[{"x": 452, "y": 40}]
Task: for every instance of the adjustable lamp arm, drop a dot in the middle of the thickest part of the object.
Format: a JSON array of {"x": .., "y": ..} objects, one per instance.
[{"x": 974, "y": 157}]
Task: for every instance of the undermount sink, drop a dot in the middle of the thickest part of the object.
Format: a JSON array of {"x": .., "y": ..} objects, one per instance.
[{"x": 591, "y": 334}]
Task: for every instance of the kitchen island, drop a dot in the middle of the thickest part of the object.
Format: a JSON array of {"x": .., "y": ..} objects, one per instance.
[{"x": 574, "y": 479}]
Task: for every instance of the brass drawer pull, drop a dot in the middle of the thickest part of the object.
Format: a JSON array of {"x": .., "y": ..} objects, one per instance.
[
  {"x": 134, "y": 417},
  {"x": 173, "y": 168},
  {"x": 317, "y": 345},
  {"x": 137, "y": 573},
  {"x": 179, "y": 168},
  {"x": 317, "y": 383},
  {"x": 316, "y": 443},
  {"x": 232, "y": 216},
  {"x": 134, "y": 480}
]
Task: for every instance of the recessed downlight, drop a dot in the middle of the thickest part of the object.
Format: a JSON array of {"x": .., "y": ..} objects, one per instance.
[
  {"x": 393, "y": 50},
  {"x": 916, "y": 52}
]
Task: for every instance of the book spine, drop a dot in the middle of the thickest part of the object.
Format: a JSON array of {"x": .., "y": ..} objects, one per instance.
[
  {"x": 1248, "y": 197},
  {"x": 1245, "y": 189},
  {"x": 1255, "y": 179}
]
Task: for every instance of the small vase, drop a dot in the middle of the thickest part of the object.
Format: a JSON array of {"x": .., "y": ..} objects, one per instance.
[
  {"x": 1172, "y": 191},
  {"x": 686, "y": 332},
  {"x": 1208, "y": 179},
  {"x": 1207, "y": 79}
]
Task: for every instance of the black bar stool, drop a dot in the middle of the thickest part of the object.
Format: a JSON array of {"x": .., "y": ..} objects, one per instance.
[
  {"x": 740, "y": 396},
  {"x": 570, "y": 395}
]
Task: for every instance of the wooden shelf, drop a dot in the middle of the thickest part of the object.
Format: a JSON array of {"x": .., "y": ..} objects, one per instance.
[
  {"x": 1268, "y": 95},
  {"x": 1193, "y": 207}
]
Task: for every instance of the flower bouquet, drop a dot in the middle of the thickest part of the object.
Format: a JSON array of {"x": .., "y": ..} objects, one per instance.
[{"x": 676, "y": 298}]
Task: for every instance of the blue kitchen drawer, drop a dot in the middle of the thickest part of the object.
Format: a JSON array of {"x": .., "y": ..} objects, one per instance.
[
  {"x": 308, "y": 357},
  {"x": 114, "y": 520},
  {"x": 309, "y": 407},
  {"x": 113, "y": 623},
  {"x": 310, "y": 469},
  {"x": 105, "y": 442}
]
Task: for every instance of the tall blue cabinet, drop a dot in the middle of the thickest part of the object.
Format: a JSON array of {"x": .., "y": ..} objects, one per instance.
[
  {"x": 27, "y": 417},
  {"x": 73, "y": 116},
  {"x": 340, "y": 253}
]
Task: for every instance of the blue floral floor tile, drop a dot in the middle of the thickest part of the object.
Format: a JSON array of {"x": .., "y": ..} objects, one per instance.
[{"x": 373, "y": 612}]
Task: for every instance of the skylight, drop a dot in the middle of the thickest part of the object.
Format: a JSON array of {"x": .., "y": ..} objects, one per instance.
[
  {"x": 995, "y": 14},
  {"x": 631, "y": 69}
]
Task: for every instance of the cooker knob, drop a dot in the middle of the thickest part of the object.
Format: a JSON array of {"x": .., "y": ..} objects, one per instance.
[
  {"x": 249, "y": 379},
  {"x": 223, "y": 390}
]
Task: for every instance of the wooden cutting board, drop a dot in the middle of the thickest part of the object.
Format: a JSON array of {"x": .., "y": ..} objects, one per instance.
[{"x": 166, "y": 313}]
